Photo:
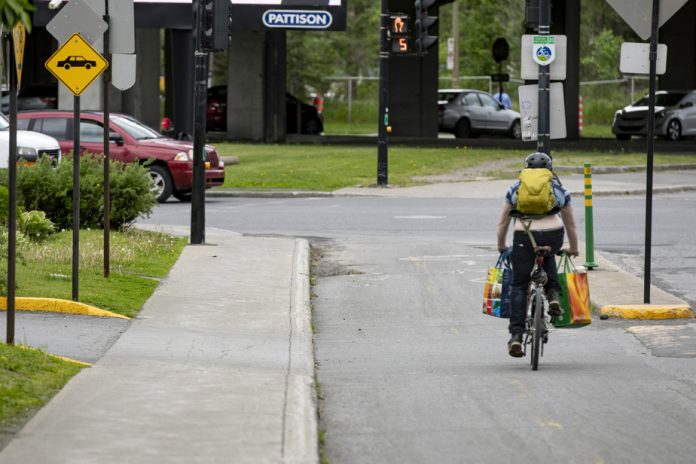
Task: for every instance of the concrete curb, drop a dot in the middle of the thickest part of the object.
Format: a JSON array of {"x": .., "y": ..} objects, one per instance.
[
  {"x": 648, "y": 312},
  {"x": 300, "y": 421},
  {"x": 55, "y": 305}
]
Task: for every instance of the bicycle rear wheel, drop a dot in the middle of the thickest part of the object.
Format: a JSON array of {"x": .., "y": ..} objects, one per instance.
[{"x": 537, "y": 327}]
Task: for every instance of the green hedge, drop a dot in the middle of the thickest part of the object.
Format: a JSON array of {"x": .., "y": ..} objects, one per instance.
[{"x": 45, "y": 187}]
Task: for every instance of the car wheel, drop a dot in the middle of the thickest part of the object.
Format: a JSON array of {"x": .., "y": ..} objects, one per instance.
[
  {"x": 673, "y": 130},
  {"x": 88, "y": 66},
  {"x": 161, "y": 182},
  {"x": 184, "y": 197},
  {"x": 463, "y": 129},
  {"x": 623, "y": 137},
  {"x": 310, "y": 126},
  {"x": 516, "y": 129},
  {"x": 66, "y": 66}
]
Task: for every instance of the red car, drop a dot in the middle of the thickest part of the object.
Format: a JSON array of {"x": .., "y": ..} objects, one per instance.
[{"x": 131, "y": 141}]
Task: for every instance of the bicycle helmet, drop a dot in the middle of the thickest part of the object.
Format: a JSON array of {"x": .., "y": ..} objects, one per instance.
[{"x": 538, "y": 160}]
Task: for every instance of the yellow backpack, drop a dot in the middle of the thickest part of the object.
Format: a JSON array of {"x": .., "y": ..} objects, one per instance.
[{"x": 535, "y": 195}]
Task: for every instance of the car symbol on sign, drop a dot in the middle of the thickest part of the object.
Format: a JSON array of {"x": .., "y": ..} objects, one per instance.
[{"x": 76, "y": 61}]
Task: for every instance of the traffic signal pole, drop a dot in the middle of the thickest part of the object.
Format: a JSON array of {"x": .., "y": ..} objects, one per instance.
[
  {"x": 200, "y": 90},
  {"x": 382, "y": 136},
  {"x": 544, "y": 126}
]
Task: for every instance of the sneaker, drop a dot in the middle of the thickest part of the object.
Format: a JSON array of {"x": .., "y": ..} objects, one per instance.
[
  {"x": 515, "y": 346},
  {"x": 554, "y": 303}
]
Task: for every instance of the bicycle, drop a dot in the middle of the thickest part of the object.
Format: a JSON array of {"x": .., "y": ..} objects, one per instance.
[{"x": 537, "y": 323}]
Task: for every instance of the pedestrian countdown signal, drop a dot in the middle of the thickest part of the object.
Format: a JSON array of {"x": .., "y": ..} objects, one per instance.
[{"x": 399, "y": 33}]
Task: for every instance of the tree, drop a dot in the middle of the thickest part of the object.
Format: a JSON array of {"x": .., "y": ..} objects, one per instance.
[
  {"x": 313, "y": 56},
  {"x": 14, "y": 12}
]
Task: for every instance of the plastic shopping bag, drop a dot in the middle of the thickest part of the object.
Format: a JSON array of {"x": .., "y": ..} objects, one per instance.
[
  {"x": 575, "y": 296},
  {"x": 496, "y": 291}
]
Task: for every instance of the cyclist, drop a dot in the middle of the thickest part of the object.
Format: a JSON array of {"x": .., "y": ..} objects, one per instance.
[{"x": 547, "y": 231}]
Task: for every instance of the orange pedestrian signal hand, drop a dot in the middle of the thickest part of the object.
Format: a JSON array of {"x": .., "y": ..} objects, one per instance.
[{"x": 398, "y": 25}]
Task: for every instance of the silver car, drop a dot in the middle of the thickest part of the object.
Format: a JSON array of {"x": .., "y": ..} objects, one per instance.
[
  {"x": 470, "y": 113},
  {"x": 675, "y": 116}
]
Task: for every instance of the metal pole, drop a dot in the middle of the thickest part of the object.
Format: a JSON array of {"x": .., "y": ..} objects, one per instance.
[
  {"x": 651, "y": 150},
  {"x": 76, "y": 200},
  {"x": 589, "y": 222},
  {"x": 12, "y": 180},
  {"x": 383, "y": 122},
  {"x": 544, "y": 128},
  {"x": 107, "y": 133},
  {"x": 200, "y": 87}
]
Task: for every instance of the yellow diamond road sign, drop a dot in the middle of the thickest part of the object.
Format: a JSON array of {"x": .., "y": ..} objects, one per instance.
[{"x": 76, "y": 64}]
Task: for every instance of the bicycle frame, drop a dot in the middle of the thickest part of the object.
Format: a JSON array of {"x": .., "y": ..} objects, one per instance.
[{"x": 537, "y": 324}]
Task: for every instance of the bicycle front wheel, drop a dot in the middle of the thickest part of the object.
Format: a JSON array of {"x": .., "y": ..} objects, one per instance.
[{"x": 537, "y": 326}]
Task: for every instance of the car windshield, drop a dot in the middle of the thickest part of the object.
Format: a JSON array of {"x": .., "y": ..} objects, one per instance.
[
  {"x": 662, "y": 99},
  {"x": 135, "y": 129},
  {"x": 4, "y": 124}
]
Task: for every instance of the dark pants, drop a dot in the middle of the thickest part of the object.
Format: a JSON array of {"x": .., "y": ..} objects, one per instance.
[{"x": 522, "y": 264}]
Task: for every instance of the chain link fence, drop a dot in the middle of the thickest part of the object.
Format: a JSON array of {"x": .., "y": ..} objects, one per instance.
[{"x": 352, "y": 100}]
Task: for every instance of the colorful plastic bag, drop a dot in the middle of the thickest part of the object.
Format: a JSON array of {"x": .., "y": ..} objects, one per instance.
[
  {"x": 496, "y": 291},
  {"x": 575, "y": 296}
]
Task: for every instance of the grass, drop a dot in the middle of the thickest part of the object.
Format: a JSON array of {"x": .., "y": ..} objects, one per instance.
[
  {"x": 327, "y": 168},
  {"x": 138, "y": 260},
  {"x": 28, "y": 379}
]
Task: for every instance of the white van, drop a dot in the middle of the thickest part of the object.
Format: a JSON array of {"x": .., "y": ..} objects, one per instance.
[{"x": 30, "y": 145}]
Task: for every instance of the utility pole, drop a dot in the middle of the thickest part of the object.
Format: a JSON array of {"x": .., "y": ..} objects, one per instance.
[{"x": 544, "y": 127}]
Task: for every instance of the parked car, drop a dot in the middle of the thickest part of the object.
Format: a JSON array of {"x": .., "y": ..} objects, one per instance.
[
  {"x": 300, "y": 118},
  {"x": 675, "y": 116},
  {"x": 470, "y": 113},
  {"x": 171, "y": 168},
  {"x": 33, "y": 97},
  {"x": 30, "y": 145}
]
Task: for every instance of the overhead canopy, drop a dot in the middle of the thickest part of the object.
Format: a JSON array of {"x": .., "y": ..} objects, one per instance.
[{"x": 246, "y": 14}]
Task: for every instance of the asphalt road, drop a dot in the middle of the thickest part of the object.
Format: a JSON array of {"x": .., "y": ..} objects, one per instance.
[{"x": 411, "y": 372}]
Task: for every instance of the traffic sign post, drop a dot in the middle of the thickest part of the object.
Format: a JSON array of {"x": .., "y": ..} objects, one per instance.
[
  {"x": 544, "y": 55},
  {"x": 636, "y": 14},
  {"x": 500, "y": 51},
  {"x": 12, "y": 187},
  {"x": 76, "y": 64}
]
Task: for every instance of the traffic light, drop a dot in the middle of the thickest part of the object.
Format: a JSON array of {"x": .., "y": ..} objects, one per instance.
[
  {"x": 215, "y": 24},
  {"x": 399, "y": 31},
  {"x": 424, "y": 41}
]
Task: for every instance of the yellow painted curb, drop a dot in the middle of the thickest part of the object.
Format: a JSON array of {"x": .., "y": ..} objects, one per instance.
[
  {"x": 648, "y": 312},
  {"x": 55, "y": 305}
]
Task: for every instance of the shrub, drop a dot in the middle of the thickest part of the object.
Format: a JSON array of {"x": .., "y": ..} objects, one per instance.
[
  {"x": 4, "y": 204},
  {"x": 47, "y": 188},
  {"x": 35, "y": 225}
]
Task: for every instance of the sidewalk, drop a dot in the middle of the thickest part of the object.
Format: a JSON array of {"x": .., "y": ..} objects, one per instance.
[{"x": 217, "y": 368}]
